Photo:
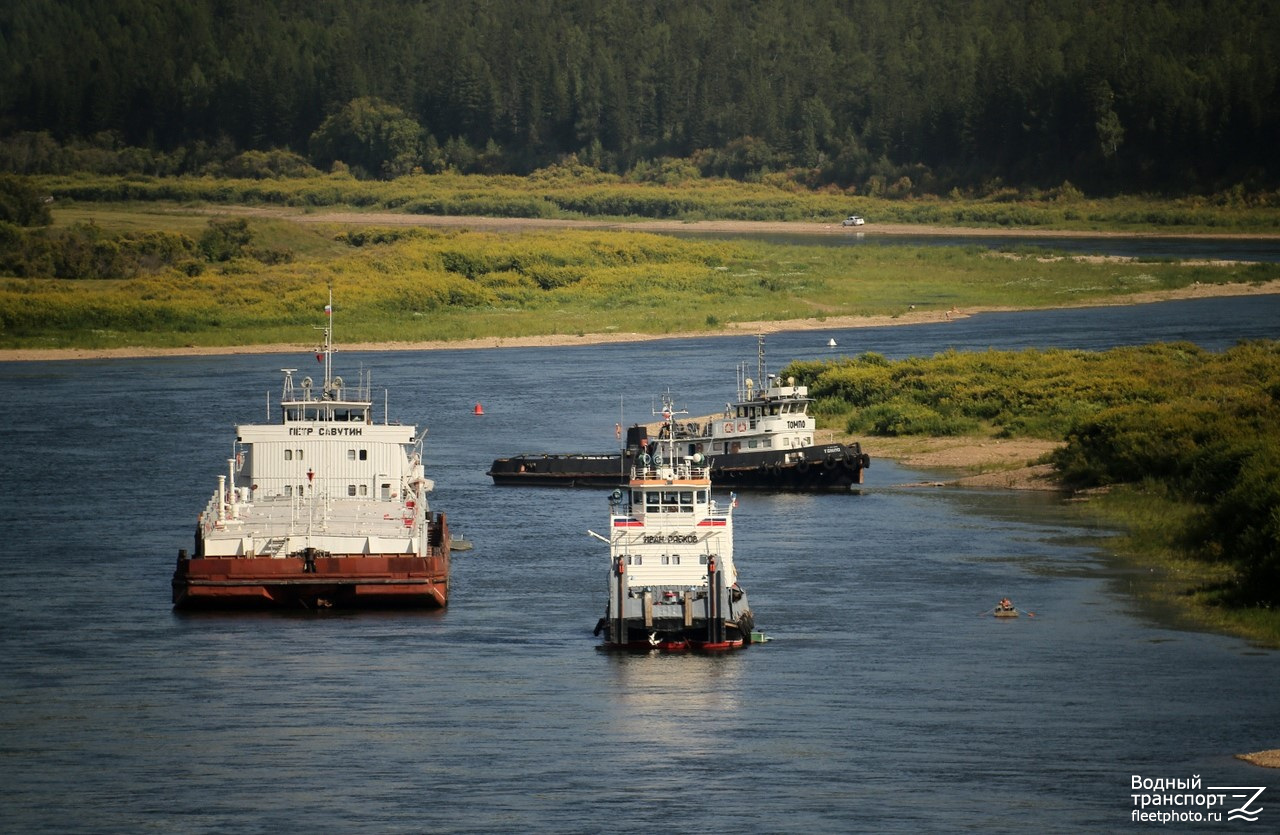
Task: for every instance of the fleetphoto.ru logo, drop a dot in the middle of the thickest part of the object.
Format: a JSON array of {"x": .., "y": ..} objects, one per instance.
[{"x": 1186, "y": 800}]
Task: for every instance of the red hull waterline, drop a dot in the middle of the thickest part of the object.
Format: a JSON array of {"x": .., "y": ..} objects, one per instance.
[
  {"x": 675, "y": 646},
  {"x": 365, "y": 581}
]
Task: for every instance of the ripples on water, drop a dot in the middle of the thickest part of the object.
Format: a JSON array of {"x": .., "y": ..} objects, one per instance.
[{"x": 884, "y": 701}]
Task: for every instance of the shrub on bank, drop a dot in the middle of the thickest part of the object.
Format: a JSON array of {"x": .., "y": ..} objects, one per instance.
[{"x": 1201, "y": 426}]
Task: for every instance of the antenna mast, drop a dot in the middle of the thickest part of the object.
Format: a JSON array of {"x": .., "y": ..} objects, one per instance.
[{"x": 760, "y": 368}]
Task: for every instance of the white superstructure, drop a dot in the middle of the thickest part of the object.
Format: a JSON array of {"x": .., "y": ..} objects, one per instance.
[{"x": 325, "y": 477}]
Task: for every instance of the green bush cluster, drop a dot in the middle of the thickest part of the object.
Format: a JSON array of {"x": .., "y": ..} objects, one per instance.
[
  {"x": 1038, "y": 393},
  {"x": 1202, "y": 426},
  {"x": 87, "y": 251},
  {"x": 21, "y": 204}
]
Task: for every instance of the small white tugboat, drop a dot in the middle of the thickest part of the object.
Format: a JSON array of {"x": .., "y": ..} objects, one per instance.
[
  {"x": 324, "y": 509},
  {"x": 673, "y": 584}
]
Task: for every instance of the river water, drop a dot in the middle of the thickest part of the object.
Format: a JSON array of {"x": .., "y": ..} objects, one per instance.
[{"x": 884, "y": 701}]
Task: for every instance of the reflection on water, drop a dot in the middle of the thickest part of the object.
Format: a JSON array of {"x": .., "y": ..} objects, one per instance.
[{"x": 677, "y": 702}]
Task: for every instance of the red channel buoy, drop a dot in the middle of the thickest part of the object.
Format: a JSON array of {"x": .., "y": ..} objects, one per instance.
[{"x": 479, "y": 410}]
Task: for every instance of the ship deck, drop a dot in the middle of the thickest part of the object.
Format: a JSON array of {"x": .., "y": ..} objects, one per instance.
[{"x": 278, "y": 526}]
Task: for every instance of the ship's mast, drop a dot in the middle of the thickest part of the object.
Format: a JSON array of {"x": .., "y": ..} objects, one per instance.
[
  {"x": 327, "y": 347},
  {"x": 669, "y": 413},
  {"x": 760, "y": 367}
]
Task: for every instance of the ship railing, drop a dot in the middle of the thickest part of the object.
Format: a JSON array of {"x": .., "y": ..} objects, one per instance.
[
  {"x": 708, "y": 524},
  {"x": 372, "y": 512},
  {"x": 682, "y": 472}
]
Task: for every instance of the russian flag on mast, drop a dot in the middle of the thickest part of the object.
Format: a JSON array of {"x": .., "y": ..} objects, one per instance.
[{"x": 328, "y": 309}]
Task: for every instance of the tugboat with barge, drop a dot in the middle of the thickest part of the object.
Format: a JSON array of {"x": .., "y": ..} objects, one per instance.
[
  {"x": 764, "y": 440},
  {"x": 324, "y": 509},
  {"x": 673, "y": 583}
]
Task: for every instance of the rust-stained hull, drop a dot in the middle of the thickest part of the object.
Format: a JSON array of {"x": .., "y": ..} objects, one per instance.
[
  {"x": 321, "y": 581},
  {"x": 344, "y": 582}
]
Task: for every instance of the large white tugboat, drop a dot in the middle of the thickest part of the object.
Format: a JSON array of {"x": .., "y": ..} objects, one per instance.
[
  {"x": 325, "y": 508},
  {"x": 764, "y": 440},
  {"x": 673, "y": 584}
]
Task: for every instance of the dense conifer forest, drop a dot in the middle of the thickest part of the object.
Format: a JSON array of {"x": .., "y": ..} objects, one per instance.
[{"x": 895, "y": 97}]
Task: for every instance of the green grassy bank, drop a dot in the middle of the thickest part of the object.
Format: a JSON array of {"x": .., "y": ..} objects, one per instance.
[
  {"x": 1176, "y": 445},
  {"x": 159, "y": 275}
]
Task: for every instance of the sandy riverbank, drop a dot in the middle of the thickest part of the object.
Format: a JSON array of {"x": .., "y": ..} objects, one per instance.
[
  {"x": 979, "y": 463},
  {"x": 1267, "y": 759}
]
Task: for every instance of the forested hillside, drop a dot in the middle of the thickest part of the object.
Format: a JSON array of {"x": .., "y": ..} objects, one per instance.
[{"x": 882, "y": 96}]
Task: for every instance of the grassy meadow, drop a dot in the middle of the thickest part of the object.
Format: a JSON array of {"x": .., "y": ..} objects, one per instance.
[{"x": 421, "y": 284}]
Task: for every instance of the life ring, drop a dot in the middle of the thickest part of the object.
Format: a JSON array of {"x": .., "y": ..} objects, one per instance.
[
  {"x": 728, "y": 427},
  {"x": 830, "y": 462},
  {"x": 802, "y": 466},
  {"x": 742, "y": 427}
]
